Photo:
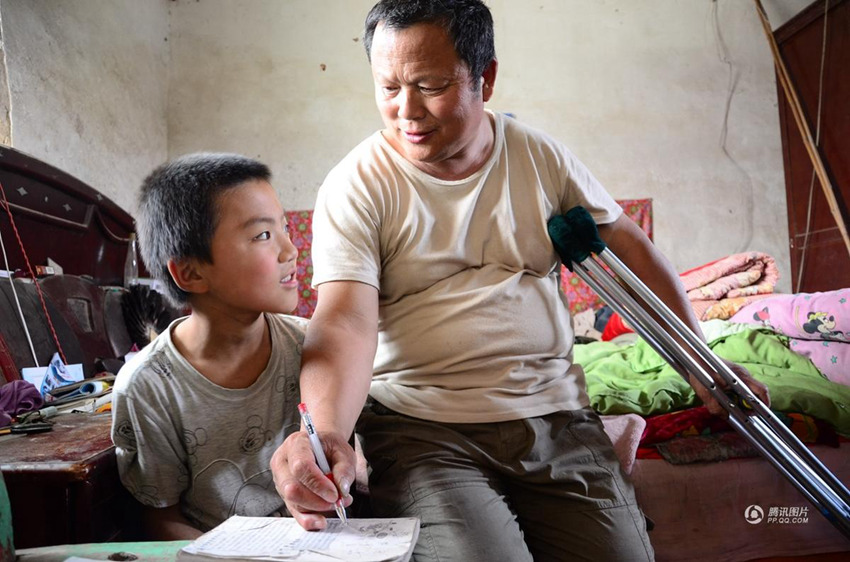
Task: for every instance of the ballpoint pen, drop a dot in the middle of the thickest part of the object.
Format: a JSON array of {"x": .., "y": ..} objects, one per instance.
[{"x": 321, "y": 460}]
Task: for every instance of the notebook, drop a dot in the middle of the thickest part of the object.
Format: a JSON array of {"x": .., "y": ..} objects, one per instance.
[{"x": 282, "y": 539}]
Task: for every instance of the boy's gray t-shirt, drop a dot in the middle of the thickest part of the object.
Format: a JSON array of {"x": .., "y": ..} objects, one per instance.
[{"x": 180, "y": 438}]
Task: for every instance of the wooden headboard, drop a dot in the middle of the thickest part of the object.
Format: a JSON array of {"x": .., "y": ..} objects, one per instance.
[{"x": 60, "y": 217}]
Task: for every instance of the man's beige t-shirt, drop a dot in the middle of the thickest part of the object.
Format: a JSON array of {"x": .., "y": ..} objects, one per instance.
[{"x": 472, "y": 324}]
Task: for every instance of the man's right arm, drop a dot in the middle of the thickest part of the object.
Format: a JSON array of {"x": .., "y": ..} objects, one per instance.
[{"x": 339, "y": 351}]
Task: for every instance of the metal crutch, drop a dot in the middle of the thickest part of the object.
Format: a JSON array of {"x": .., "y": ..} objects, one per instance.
[{"x": 576, "y": 239}]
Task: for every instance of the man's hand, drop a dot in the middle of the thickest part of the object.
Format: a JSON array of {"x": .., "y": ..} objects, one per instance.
[
  {"x": 758, "y": 388},
  {"x": 306, "y": 491}
]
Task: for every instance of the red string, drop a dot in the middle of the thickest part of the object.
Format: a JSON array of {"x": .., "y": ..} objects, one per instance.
[{"x": 32, "y": 274}]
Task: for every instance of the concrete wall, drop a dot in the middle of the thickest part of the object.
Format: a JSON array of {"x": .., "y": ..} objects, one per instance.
[
  {"x": 780, "y": 11},
  {"x": 674, "y": 100},
  {"x": 87, "y": 80},
  {"x": 5, "y": 97},
  {"x": 669, "y": 99},
  {"x": 286, "y": 82}
]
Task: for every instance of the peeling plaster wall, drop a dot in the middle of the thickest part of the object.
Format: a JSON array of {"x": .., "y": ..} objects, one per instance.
[
  {"x": 669, "y": 99},
  {"x": 88, "y": 86},
  {"x": 673, "y": 100},
  {"x": 5, "y": 99},
  {"x": 285, "y": 82},
  {"x": 780, "y": 11}
]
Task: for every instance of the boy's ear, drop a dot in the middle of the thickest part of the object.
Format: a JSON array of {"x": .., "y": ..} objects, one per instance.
[{"x": 187, "y": 275}]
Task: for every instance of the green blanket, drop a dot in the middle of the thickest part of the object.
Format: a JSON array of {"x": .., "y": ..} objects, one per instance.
[{"x": 635, "y": 379}]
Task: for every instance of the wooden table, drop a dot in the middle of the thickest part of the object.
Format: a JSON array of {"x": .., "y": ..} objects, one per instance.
[{"x": 63, "y": 484}]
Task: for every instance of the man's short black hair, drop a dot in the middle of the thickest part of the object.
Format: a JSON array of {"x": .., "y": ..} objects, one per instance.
[
  {"x": 178, "y": 210},
  {"x": 468, "y": 23}
]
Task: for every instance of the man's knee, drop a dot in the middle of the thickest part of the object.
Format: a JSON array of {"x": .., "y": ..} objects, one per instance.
[{"x": 469, "y": 523}]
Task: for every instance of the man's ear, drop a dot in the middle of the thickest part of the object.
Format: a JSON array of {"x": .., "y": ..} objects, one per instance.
[
  {"x": 489, "y": 79},
  {"x": 187, "y": 275}
]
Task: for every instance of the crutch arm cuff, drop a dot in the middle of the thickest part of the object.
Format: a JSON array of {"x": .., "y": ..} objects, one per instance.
[{"x": 575, "y": 236}]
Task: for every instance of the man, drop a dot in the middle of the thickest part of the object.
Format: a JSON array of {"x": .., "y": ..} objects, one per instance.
[{"x": 438, "y": 297}]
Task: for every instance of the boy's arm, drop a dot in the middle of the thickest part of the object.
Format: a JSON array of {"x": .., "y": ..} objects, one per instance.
[
  {"x": 167, "y": 524},
  {"x": 629, "y": 243},
  {"x": 143, "y": 438},
  {"x": 338, "y": 354}
]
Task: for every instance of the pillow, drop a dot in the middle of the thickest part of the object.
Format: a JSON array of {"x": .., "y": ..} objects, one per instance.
[
  {"x": 808, "y": 316},
  {"x": 817, "y": 323}
]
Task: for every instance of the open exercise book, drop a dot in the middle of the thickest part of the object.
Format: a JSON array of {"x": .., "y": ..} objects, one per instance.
[{"x": 282, "y": 539}]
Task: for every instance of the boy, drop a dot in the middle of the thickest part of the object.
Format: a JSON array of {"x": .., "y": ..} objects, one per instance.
[{"x": 198, "y": 413}]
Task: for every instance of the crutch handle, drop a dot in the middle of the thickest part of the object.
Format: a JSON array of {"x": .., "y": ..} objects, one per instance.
[{"x": 575, "y": 236}]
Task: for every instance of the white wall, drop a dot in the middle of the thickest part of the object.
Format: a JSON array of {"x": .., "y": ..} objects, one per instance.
[
  {"x": 780, "y": 11},
  {"x": 87, "y": 80},
  {"x": 674, "y": 100},
  {"x": 285, "y": 82},
  {"x": 5, "y": 98},
  {"x": 669, "y": 99}
]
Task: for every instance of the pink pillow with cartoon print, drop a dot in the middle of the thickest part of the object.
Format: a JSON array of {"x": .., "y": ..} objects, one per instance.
[
  {"x": 832, "y": 358},
  {"x": 809, "y": 316}
]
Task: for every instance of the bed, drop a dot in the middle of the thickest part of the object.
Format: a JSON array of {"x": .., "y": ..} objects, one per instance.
[{"x": 709, "y": 495}]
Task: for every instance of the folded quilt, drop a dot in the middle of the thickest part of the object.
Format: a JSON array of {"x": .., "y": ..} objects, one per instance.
[
  {"x": 738, "y": 275},
  {"x": 723, "y": 309},
  {"x": 717, "y": 290}
]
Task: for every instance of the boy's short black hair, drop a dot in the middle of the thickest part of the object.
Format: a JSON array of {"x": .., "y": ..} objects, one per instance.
[
  {"x": 178, "y": 210},
  {"x": 469, "y": 24}
]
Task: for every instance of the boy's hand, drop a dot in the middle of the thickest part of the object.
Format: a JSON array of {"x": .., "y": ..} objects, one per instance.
[
  {"x": 758, "y": 388},
  {"x": 306, "y": 491}
]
